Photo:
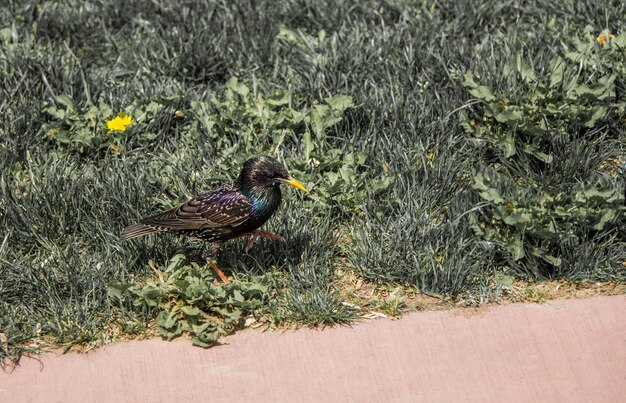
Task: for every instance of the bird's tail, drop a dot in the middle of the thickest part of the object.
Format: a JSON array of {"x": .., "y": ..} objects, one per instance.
[{"x": 136, "y": 230}]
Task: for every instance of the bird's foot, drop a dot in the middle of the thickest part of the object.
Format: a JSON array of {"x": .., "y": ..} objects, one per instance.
[
  {"x": 260, "y": 234},
  {"x": 158, "y": 272},
  {"x": 219, "y": 273}
]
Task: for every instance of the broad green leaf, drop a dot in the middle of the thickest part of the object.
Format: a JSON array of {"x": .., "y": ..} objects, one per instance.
[
  {"x": 340, "y": 102},
  {"x": 175, "y": 262},
  {"x": 55, "y": 112},
  {"x": 215, "y": 290},
  {"x": 491, "y": 195},
  {"x": 294, "y": 117},
  {"x": 511, "y": 115},
  {"x": 600, "y": 89},
  {"x": 507, "y": 144},
  {"x": 481, "y": 182},
  {"x": 346, "y": 172},
  {"x": 600, "y": 196},
  {"x": 597, "y": 112},
  {"x": 256, "y": 288},
  {"x": 475, "y": 225},
  {"x": 543, "y": 254},
  {"x": 237, "y": 87},
  {"x": 197, "y": 289},
  {"x": 66, "y": 101},
  {"x": 515, "y": 246},
  {"x": 485, "y": 191},
  {"x": 321, "y": 118},
  {"x": 482, "y": 92},
  {"x": 151, "y": 295},
  {"x": 604, "y": 86},
  {"x": 238, "y": 296},
  {"x": 525, "y": 69},
  {"x": 235, "y": 315},
  {"x": 199, "y": 329},
  {"x": 279, "y": 98},
  {"x": 207, "y": 340},
  {"x": 606, "y": 216},
  {"x": 173, "y": 332},
  {"x": 118, "y": 289},
  {"x": 519, "y": 218},
  {"x": 533, "y": 130},
  {"x": 167, "y": 320},
  {"x": 557, "y": 69},
  {"x": 535, "y": 152},
  {"x": 477, "y": 91},
  {"x": 465, "y": 123},
  {"x": 380, "y": 185},
  {"x": 469, "y": 80},
  {"x": 191, "y": 310}
]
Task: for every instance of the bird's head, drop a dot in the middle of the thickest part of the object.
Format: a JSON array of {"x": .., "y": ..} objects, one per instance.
[{"x": 262, "y": 172}]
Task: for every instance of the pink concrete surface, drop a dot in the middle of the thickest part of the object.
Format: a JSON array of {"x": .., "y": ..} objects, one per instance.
[{"x": 562, "y": 351}]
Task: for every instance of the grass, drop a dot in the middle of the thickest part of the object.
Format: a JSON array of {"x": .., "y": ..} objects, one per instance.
[{"x": 390, "y": 171}]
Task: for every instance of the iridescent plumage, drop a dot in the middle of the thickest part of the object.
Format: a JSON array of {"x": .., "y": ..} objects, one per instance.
[{"x": 229, "y": 211}]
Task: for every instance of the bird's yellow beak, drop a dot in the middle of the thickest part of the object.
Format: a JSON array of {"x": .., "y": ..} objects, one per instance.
[{"x": 292, "y": 182}]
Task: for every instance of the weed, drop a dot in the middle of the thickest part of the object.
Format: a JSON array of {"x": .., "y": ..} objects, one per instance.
[{"x": 369, "y": 105}]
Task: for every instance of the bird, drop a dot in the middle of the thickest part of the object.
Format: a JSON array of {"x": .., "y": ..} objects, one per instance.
[{"x": 228, "y": 211}]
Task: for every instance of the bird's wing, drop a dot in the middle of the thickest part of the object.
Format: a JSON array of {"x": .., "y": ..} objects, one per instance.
[{"x": 224, "y": 206}]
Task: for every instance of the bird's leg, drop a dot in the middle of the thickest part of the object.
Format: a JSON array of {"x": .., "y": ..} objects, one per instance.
[
  {"x": 250, "y": 243},
  {"x": 260, "y": 234},
  {"x": 158, "y": 272},
  {"x": 210, "y": 259},
  {"x": 219, "y": 273}
]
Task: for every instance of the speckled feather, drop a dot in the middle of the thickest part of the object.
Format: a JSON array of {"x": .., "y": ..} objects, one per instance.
[{"x": 225, "y": 212}]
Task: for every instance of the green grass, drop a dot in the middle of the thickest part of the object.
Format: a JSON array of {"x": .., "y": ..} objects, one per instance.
[{"x": 391, "y": 175}]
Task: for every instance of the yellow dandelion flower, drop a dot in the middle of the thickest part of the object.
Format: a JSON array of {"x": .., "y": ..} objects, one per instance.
[
  {"x": 119, "y": 123},
  {"x": 605, "y": 38}
]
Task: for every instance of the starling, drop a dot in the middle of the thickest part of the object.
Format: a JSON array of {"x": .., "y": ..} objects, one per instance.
[{"x": 227, "y": 212}]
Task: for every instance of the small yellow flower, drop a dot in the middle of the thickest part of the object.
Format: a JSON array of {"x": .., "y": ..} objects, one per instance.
[
  {"x": 605, "y": 38},
  {"x": 119, "y": 123}
]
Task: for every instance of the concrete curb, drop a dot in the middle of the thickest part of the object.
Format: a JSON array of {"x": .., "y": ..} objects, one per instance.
[{"x": 567, "y": 350}]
